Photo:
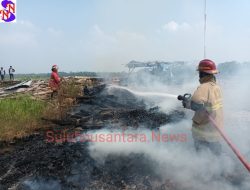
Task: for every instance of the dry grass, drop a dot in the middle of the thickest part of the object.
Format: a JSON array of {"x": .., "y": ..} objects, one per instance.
[
  {"x": 21, "y": 115},
  {"x": 64, "y": 100}
]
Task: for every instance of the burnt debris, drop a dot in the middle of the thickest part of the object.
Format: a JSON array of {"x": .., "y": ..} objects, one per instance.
[{"x": 34, "y": 163}]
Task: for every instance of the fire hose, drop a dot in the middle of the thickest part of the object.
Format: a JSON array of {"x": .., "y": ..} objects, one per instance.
[{"x": 186, "y": 97}]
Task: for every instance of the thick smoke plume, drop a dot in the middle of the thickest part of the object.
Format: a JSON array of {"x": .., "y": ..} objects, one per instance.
[{"x": 178, "y": 161}]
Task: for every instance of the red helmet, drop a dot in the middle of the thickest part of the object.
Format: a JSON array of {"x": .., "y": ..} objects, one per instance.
[{"x": 207, "y": 66}]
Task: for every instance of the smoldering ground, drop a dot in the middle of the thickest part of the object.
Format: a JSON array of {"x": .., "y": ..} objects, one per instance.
[
  {"x": 136, "y": 165},
  {"x": 179, "y": 161}
]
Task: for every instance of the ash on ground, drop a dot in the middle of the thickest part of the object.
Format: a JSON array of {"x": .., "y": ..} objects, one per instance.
[{"x": 33, "y": 163}]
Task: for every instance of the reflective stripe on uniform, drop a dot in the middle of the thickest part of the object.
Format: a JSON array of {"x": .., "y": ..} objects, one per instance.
[{"x": 214, "y": 107}]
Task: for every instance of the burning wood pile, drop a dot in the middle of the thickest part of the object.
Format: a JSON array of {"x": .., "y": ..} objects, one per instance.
[{"x": 37, "y": 163}]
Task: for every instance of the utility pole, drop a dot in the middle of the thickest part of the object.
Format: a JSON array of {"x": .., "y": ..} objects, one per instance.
[{"x": 205, "y": 26}]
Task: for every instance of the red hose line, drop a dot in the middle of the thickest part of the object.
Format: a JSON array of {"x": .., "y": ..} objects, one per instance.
[{"x": 232, "y": 146}]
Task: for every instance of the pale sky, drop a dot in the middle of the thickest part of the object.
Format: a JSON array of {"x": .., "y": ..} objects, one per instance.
[{"x": 103, "y": 35}]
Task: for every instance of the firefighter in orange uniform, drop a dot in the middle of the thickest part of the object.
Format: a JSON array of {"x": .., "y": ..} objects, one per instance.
[
  {"x": 54, "y": 82},
  {"x": 206, "y": 101}
]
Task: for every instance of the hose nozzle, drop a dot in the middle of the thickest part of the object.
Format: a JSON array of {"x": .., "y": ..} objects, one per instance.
[{"x": 184, "y": 97}]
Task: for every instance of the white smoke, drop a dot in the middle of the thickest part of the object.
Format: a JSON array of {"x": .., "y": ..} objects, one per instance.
[
  {"x": 179, "y": 161},
  {"x": 41, "y": 184}
]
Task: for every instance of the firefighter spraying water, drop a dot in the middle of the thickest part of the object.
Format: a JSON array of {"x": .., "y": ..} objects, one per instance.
[
  {"x": 207, "y": 129},
  {"x": 206, "y": 101},
  {"x": 207, "y": 98}
]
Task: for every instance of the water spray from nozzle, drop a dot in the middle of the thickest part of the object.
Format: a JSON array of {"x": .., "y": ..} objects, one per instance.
[{"x": 147, "y": 94}]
